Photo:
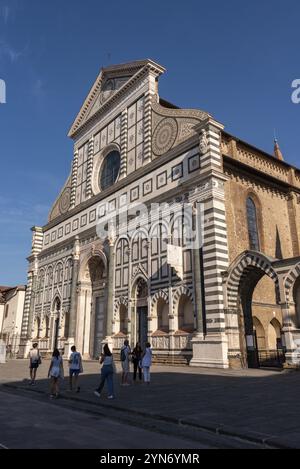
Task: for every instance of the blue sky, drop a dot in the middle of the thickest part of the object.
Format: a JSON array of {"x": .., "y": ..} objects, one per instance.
[{"x": 235, "y": 59}]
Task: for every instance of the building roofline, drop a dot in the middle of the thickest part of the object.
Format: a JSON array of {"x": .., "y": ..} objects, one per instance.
[{"x": 263, "y": 152}]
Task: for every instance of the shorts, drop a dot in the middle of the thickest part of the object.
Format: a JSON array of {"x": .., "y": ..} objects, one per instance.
[
  {"x": 34, "y": 366},
  {"x": 74, "y": 372},
  {"x": 125, "y": 366}
]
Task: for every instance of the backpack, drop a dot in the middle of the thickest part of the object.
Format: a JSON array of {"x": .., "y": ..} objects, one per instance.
[{"x": 123, "y": 355}]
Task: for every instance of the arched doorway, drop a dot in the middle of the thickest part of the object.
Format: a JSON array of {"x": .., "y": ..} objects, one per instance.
[
  {"x": 92, "y": 305},
  {"x": 296, "y": 300},
  {"x": 97, "y": 273},
  {"x": 253, "y": 292},
  {"x": 140, "y": 323}
]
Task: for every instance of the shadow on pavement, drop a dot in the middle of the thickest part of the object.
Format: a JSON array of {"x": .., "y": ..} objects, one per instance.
[{"x": 264, "y": 403}]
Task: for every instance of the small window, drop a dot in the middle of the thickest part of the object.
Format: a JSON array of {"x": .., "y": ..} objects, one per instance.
[
  {"x": 252, "y": 225},
  {"x": 110, "y": 170}
]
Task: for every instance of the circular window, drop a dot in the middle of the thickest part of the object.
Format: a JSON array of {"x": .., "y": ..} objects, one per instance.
[{"x": 110, "y": 170}]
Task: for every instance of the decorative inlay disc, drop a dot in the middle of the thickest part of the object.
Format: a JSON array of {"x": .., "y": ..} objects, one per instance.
[
  {"x": 164, "y": 136},
  {"x": 65, "y": 200}
]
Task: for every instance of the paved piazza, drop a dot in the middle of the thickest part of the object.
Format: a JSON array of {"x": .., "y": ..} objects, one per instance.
[{"x": 179, "y": 406}]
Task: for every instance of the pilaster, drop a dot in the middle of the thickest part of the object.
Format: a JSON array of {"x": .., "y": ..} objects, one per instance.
[
  {"x": 89, "y": 172},
  {"x": 74, "y": 179},
  {"x": 110, "y": 293},
  {"x": 211, "y": 349},
  {"x": 147, "y": 127},
  {"x": 29, "y": 304},
  {"x": 74, "y": 297},
  {"x": 124, "y": 137}
]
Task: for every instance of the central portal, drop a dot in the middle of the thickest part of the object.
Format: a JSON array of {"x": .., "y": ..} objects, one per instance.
[
  {"x": 142, "y": 313},
  {"x": 142, "y": 325},
  {"x": 97, "y": 326},
  {"x": 92, "y": 306}
]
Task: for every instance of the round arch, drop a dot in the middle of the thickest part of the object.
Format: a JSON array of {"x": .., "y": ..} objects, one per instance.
[
  {"x": 119, "y": 240},
  {"x": 248, "y": 263},
  {"x": 178, "y": 293},
  {"x": 166, "y": 227},
  {"x": 290, "y": 281},
  {"x": 118, "y": 302},
  {"x": 160, "y": 294},
  {"x": 97, "y": 253},
  {"x": 243, "y": 277}
]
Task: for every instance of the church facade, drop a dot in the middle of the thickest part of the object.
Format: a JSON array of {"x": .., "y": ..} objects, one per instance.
[{"x": 115, "y": 259}]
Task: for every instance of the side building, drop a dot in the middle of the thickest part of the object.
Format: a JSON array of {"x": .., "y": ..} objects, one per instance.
[{"x": 11, "y": 315}]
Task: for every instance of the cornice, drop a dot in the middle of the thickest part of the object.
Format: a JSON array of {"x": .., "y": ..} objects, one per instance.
[
  {"x": 262, "y": 176},
  {"x": 170, "y": 112},
  {"x": 259, "y": 150},
  {"x": 67, "y": 244}
]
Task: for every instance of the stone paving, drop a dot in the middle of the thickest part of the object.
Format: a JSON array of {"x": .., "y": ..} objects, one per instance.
[{"x": 255, "y": 403}]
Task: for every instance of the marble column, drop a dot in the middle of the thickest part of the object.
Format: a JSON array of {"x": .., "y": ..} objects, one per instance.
[
  {"x": 197, "y": 262},
  {"x": 32, "y": 300},
  {"x": 110, "y": 293},
  {"x": 292, "y": 348}
]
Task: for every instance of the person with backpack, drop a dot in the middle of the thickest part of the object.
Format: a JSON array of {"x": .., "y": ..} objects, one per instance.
[
  {"x": 75, "y": 367},
  {"x": 107, "y": 373},
  {"x": 147, "y": 362},
  {"x": 34, "y": 362},
  {"x": 137, "y": 361},
  {"x": 124, "y": 357},
  {"x": 56, "y": 372}
]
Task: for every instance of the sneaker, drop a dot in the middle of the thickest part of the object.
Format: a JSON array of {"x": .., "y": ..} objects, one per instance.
[
  {"x": 110, "y": 397},
  {"x": 51, "y": 396},
  {"x": 97, "y": 393}
]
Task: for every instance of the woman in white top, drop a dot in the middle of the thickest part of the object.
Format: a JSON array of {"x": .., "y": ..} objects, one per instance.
[
  {"x": 55, "y": 372},
  {"x": 147, "y": 362},
  {"x": 34, "y": 362},
  {"x": 107, "y": 373}
]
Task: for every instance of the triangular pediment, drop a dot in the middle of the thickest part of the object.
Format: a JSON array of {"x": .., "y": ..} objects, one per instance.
[{"x": 110, "y": 82}]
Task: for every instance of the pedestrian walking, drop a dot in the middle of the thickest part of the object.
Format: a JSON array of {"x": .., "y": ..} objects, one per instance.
[
  {"x": 124, "y": 357},
  {"x": 55, "y": 373},
  {"x": 75, "y": 368},
  {"x": 137, "y": 361},
  {"x": 147, "y": 362},
  {"x": 107, "y": 373},
  {"x": 34, "y": 362}
]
